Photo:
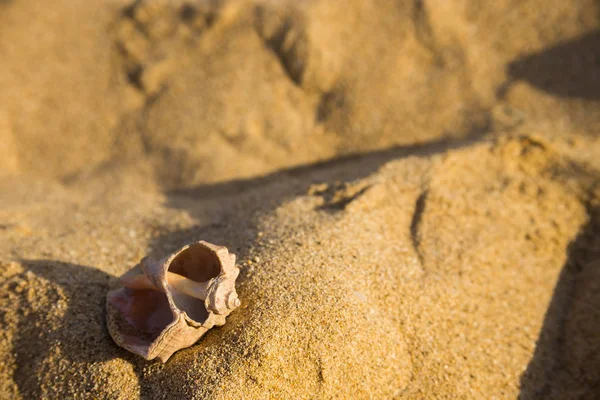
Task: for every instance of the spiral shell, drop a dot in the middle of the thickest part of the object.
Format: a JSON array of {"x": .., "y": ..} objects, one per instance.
[{"x": 166, "y": 305}]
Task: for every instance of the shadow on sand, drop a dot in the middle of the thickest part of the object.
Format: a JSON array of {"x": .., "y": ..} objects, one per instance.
[
  {"x": 566, "y": 362},
  {"x": 79, "y": 334},
  {"x": 69, "y": 339},
  {"x": 570, "y": 69},
  {"x": 295, "y": 181}
]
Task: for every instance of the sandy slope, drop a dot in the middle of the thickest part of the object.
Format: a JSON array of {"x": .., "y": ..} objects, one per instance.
[{"x": 410, "y": 186}]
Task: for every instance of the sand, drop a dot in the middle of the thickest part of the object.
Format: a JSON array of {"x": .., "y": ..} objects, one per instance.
[{"x": 411, "y": 188}]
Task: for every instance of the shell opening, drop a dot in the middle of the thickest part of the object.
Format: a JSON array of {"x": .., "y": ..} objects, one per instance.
[{"x": 198, "y": 264}]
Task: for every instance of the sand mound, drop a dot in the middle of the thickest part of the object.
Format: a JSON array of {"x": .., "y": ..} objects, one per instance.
[
  {"x": 431, "y": 275},
  {"x": 410, "y": 187}
]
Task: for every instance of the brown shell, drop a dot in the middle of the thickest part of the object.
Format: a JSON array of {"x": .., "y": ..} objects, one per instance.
[{"x": 157, "y": 322}]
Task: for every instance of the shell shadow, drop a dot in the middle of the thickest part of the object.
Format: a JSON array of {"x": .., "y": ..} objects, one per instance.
[
  {"x": 569, "y": 69},
  {"x": 70, "y": 321},
  {"x": 566, "y": 361}
]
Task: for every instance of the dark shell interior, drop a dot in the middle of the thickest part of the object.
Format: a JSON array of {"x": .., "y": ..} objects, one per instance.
[{"x": 141, "y": 315}]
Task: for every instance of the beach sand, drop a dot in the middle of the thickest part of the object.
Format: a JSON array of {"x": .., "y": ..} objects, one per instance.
[{"x": 411, "y": 189}]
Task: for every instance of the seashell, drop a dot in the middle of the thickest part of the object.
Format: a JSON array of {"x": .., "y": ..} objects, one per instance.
[{"x": 167, "y": 305}]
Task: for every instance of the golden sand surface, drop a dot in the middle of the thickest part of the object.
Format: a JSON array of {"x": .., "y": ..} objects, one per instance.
[{"x": 411, "y": 188}]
